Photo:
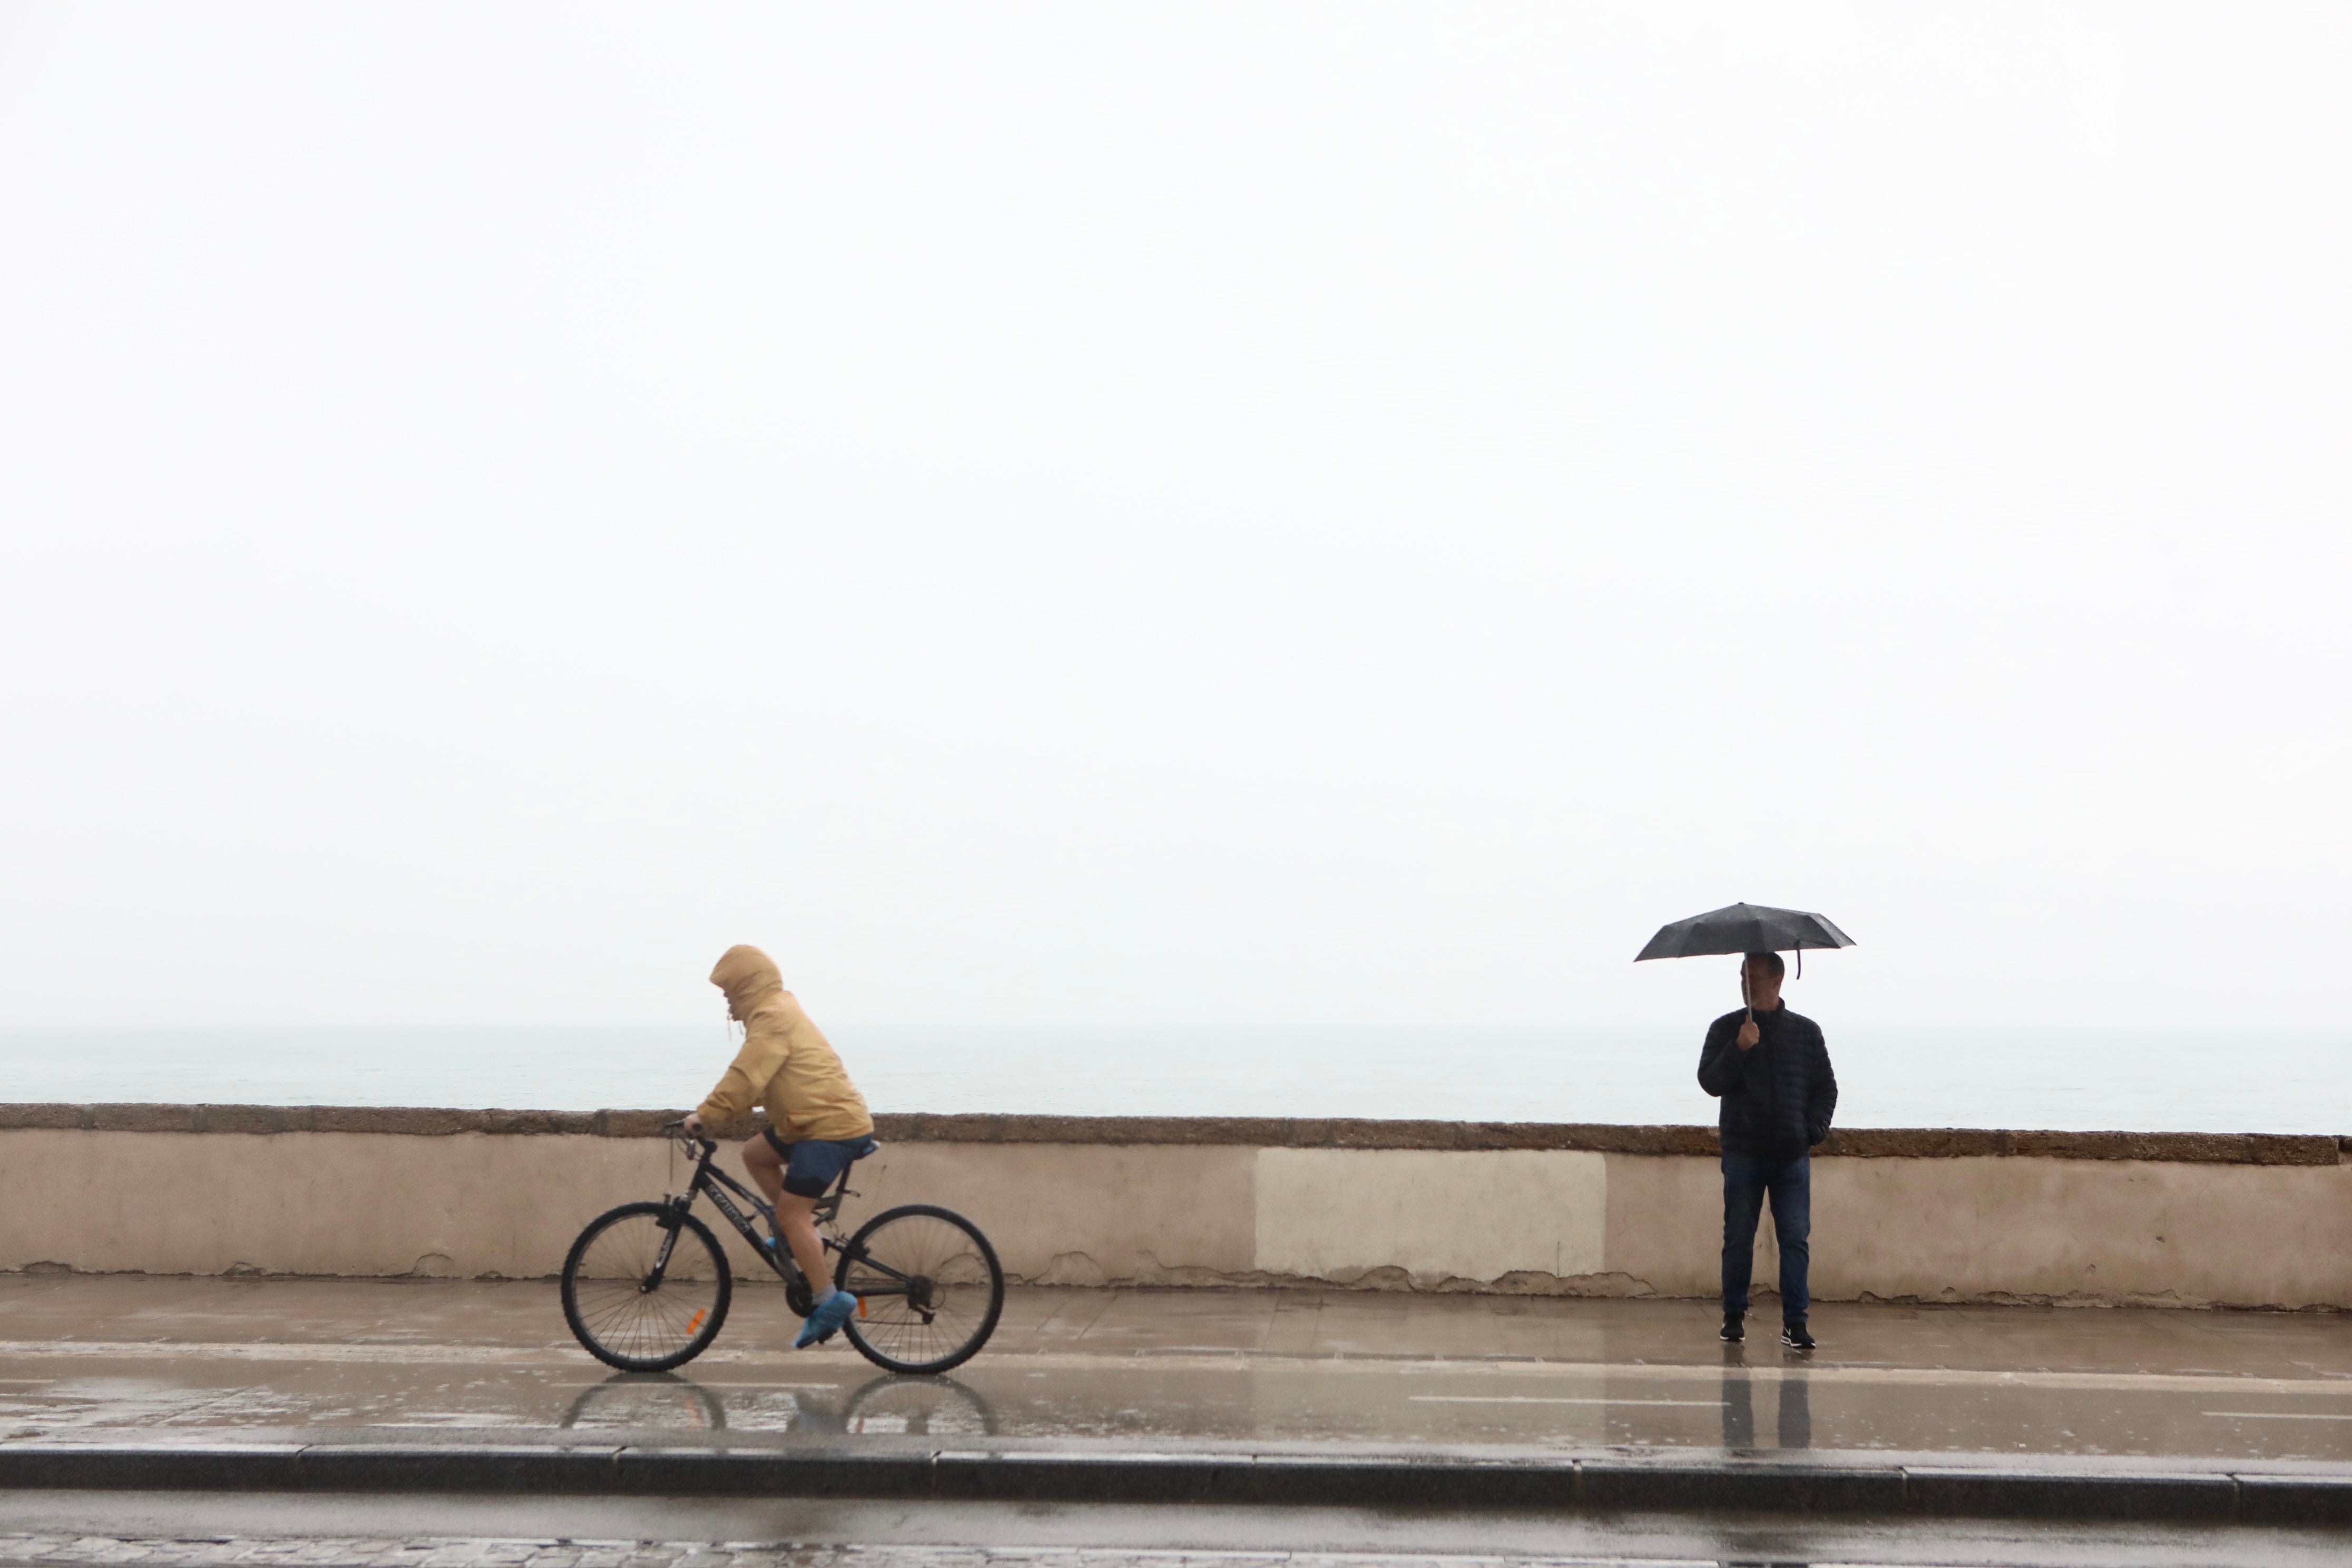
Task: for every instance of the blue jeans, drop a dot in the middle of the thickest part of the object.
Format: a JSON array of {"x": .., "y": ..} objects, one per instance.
[{"x": 1745, "y": 1182}]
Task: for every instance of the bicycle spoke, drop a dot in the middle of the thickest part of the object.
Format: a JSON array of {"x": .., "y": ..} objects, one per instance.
[
  {"x": 935, "y": 1294},
  {"x": 613, "y": 1306}
]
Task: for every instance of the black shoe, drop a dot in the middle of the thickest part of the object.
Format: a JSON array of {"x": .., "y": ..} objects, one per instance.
[
  {"x": 1732, "y": 1331},
  {"x": 1796, "y": 1336}
]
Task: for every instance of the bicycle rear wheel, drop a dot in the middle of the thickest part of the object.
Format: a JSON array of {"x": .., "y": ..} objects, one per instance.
[
  {"x": 918, "y": 1408},
  {"x": 621, "y": 1313},
  {"x": 929, "y": 1289}
]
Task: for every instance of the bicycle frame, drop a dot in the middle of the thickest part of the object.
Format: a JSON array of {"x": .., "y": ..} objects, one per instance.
[{"x": 717, "y": 1183}]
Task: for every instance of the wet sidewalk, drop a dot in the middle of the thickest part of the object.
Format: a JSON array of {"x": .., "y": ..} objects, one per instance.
[{"x": 116, "y": 1359}]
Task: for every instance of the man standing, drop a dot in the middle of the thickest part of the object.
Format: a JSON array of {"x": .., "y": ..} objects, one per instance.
[{"x": 1771, "y": 1071}]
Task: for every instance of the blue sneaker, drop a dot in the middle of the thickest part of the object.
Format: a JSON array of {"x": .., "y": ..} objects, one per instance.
[{"x": 827, "y": 1321}]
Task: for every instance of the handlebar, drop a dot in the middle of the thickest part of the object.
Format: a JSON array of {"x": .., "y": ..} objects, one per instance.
[{"x": 678, "y": 1130}]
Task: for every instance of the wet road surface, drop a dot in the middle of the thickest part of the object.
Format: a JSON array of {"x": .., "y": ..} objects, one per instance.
[
  {"x": 110, "y": 1356},
  {"x": 130, "y": 1358},
  {"x": 214, "y": 1531}
]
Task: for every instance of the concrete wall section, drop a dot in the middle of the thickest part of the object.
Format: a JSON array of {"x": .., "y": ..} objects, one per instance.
[
  {"x": 1432, "y": 1217},
  {"x": 1664, "y": 1226},
  {"x": 474, "y": 1204},
  {"x": 1629, "y": 1211},
  {"x": 1083, "y": 1215},
  {"x": 309, "y": 1202},
  {"x": 2126, "y": 1231}
]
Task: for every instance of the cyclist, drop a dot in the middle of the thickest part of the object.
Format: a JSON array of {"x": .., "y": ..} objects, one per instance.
[{"x": 817, "y": 1120}]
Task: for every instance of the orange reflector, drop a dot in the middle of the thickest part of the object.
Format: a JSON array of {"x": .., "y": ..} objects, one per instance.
[
  {"x": 861, "y": 1306},
  {"x": 700, "y": 1314}
]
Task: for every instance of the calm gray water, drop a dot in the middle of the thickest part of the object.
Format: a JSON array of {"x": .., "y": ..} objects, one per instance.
[{"x": 2135, "y": 1079}]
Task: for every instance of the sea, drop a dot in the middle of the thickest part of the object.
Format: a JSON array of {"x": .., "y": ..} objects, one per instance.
[{"x": 2125, "y": 1079}]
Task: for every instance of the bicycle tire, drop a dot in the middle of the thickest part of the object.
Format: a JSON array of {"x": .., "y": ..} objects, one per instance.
[
  {"x": 953, "y": 1263},
  {"x": 677, "y": 1329}
]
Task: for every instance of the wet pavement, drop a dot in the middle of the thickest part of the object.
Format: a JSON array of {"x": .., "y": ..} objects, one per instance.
[
  {"x": 211, "y": 1530},
  {"x": 56, "y": 1550},
  {"x": 116, "y": 1358}
]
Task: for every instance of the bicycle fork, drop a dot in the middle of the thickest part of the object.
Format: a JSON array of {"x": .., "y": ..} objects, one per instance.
[{"x": 653, "y": 1279}]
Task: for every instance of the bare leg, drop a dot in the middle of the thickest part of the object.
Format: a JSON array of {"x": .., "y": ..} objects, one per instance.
[
  {"x": 795, "y": 1216},
  {"x": 767, "y": 1167}
]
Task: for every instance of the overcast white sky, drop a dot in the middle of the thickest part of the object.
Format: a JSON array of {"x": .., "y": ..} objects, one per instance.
[{"x": 1156, "y": 514}]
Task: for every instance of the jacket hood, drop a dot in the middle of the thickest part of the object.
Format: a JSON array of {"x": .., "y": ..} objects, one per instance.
[{"x": 747, "y": 976}]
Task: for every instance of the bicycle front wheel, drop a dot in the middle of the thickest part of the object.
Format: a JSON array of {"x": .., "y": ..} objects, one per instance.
[
  {"x": 929, "y": 1289},
  {"x": 637, "y": 1299}
]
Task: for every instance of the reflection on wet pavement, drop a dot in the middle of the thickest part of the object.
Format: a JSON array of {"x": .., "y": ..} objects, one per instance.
[
  {"x": 1796, "y": 1417},
  {"x": 915, "y": 1406},
  {"x": 110, "y": 1356}
]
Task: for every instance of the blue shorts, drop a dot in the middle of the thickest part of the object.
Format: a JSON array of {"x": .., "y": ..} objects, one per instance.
[{"x": 811, "y": 1163}]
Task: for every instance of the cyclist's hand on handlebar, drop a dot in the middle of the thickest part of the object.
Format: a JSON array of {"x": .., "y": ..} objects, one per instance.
[{"x": 692, "y": 1125}]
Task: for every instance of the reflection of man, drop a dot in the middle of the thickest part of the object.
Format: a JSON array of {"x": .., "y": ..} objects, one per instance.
[
  {"x": 1771, "y": 1071},
  {"x": 1739, "y": 1411}
]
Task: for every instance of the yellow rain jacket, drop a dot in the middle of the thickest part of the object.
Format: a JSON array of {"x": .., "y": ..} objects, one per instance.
[{"x": 785, "y": 1067}]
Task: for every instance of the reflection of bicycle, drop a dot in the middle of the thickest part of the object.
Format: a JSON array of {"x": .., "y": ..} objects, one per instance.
[
  {"x": 918, "y": 1406},
  {"x": 648, "y": 1399},
  {"x": 647, "y": 1287},
  {"x": 913, "y": 1406}
]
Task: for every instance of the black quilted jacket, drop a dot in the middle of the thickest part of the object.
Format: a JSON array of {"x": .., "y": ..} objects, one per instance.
[{"x": 1777, "y": 1097}]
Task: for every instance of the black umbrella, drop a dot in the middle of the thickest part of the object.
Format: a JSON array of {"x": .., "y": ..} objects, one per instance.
[{"x": 1745, "y": 928}]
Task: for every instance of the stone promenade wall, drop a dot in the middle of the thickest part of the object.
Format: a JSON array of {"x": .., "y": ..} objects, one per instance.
[{"x": 2176, "y": 1219}]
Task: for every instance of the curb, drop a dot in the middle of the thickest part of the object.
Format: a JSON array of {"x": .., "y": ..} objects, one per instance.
[{"x": 1351, "y": 1481}]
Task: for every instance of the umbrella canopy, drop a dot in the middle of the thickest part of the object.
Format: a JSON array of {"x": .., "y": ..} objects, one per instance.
[{"x": 1744, "y": 928}]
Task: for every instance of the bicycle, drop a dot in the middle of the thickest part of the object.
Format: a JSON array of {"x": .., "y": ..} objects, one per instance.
[{"x": 647, "y": 1287}]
